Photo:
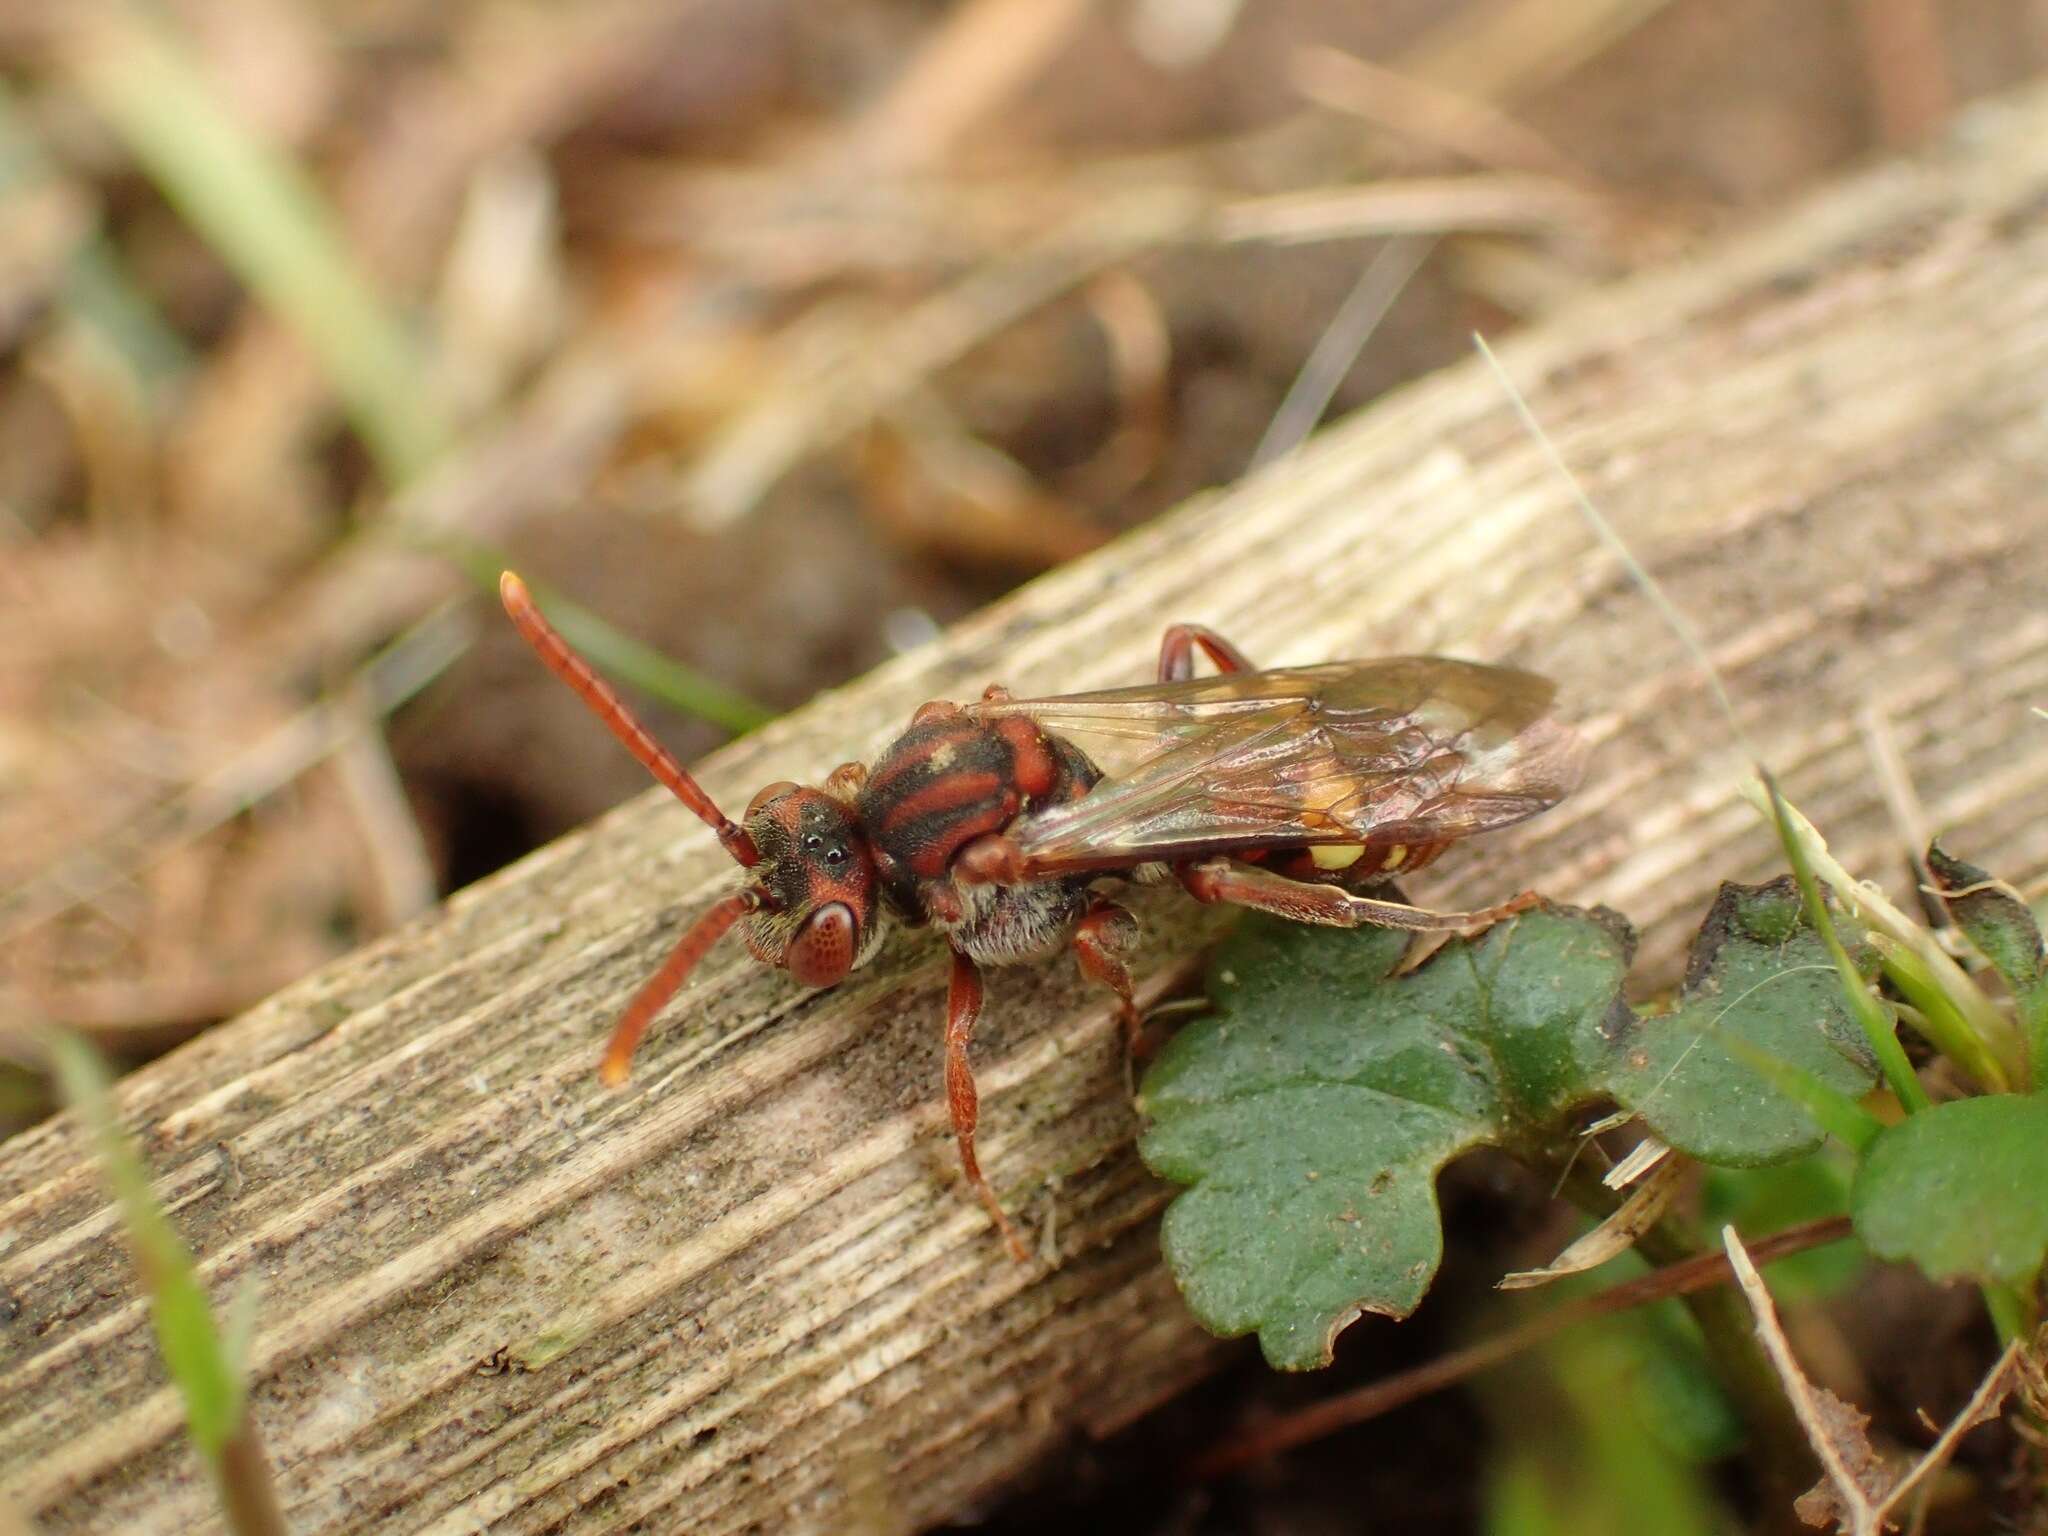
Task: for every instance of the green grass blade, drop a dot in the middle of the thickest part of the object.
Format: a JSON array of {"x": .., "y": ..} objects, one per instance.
[
  {"x": 184, "y": 1325},
  {"x": 1868, "y": 1012},
  {"x": 1998, "y": 1034},
  {"x": 269, "y": 223},
  {"x": 612, "y": 651},
  {"x": 629, "y": 661},
  {"x": 1942, "y": 1023},
  {"x": 205, "y": 1366},
  {"x": 2008, "y": 1311}
]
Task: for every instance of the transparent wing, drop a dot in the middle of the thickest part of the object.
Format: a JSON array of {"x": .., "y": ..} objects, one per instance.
[{"x": 1409, "y": 749}]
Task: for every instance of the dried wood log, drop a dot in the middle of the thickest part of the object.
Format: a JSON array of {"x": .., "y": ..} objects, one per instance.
[{"x": 748, "y": 1293}]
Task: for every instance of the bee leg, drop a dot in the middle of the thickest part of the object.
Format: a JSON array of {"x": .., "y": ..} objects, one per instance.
[
  {"x": 1303, "y": 901},
  {"x": 963, "y": 1007},
  {"x": 1177, "y": 652},
  {"x": 990, "y": 859},
  {"x": 1104, "y": 933}
]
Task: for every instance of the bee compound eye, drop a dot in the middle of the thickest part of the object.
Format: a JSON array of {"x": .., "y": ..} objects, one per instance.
[{"x": 822, "y": 951}]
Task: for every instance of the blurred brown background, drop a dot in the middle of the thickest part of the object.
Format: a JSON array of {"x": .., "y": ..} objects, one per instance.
[{"x": 776, "y": 334}]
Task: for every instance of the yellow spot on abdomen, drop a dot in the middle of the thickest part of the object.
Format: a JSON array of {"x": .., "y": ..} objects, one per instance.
[{"x": 1335, "y": 856}]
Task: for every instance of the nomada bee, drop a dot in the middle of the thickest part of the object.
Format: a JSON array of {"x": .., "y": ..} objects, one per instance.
[{"x": 1292, "y": 790}]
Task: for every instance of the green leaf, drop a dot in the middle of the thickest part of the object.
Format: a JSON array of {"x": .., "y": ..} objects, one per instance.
[
  {"x": 2006, "y": 933},
  {"x": 1957, "y": 1190},
  {"x": 1760, "y": 976},
  {"x": 1312, "y": 1110},
  {"x": 1836, "y": 1113}
]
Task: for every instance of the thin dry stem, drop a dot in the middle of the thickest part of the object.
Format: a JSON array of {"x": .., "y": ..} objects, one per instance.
[
  {"x": 1419, "y": 205},
  {"x": 401, "y": 870},
  {"x": 1378, "y": 289},
  {"x": 979, "y": 57},
  {"x": 1900, "y": 797},
  {"x": 1429, "y": 114},
  {"x": 1863, "y": 1496},
  {"x": 1506, "y": 49},
  {"x": 1836, "y": 1437},
  {"x": 1642, "y": 1157}
]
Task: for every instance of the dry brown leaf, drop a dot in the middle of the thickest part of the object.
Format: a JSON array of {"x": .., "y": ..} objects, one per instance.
[{"x": 1617, "y": 1234}]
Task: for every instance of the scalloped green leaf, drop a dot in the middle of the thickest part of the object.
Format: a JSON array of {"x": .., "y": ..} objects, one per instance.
[
  {"x": 1312, "y": 1110},
  {"x": 1759, "y": 974},
  {"x": 1956, "y": 1189},
  {"x": 1310, "y": 1113}
]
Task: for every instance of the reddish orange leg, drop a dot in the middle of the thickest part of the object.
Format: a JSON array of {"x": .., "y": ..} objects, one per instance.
[
  {"x": 1177, "y": 652},
  {"x": 1302, "y": 901},
  {"x": 963, "y": 1007},
  {"x": 1100, "y": 940},
  {"x": 990, "y": 859}
]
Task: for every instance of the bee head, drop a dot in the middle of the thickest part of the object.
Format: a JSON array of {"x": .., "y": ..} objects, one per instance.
[{"x": 822, "y": 914}]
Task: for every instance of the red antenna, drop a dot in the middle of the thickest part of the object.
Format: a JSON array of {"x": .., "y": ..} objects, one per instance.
[
  {"x": 611, "y": 709},
  {"x": 693, "y": 946},
  {"x": 698, "y": 938}
]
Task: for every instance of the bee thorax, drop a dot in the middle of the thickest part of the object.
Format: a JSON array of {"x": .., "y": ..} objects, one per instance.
[{"x": 1005, "y": 924}]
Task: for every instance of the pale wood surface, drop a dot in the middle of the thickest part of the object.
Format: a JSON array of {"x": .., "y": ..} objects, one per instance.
[{"x": 1829, "y": 438}]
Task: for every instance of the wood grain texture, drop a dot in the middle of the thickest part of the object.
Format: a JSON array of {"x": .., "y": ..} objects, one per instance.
[{"x": 747, "y": 1292}]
